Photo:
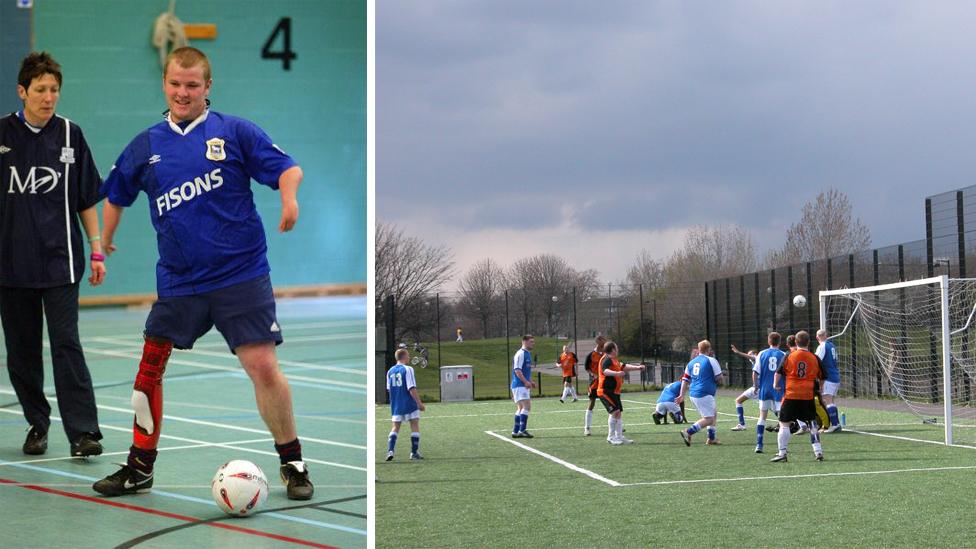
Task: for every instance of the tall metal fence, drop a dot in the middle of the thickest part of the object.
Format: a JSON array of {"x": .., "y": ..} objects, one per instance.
[
  {"x": 742, "y": 310},
  {"x": 654, "y": 326}
]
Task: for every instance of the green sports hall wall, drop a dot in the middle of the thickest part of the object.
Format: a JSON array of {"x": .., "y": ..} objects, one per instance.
[{"x": 316, "y": 112}]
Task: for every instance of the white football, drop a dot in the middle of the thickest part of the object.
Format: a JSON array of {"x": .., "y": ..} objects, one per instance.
[
  {"x": 239, "y": 488},
  {"x": 799, "y": 301}
]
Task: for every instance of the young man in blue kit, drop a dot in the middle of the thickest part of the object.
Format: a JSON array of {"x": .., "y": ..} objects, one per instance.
[
  {"x": 196, "y": 168},
  {"x": 405, "y": 404}
]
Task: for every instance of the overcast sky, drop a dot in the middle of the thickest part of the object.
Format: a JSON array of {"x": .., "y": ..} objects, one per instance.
[{"x": 596, "y": 129}]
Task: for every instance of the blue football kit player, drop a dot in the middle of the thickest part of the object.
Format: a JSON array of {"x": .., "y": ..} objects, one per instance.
[
  {"x": 521, "y": 385},
  {"x": 405, "y": 404},
  {"x": 196, "y": 168},
  {"x": 767, "y": 363},
  {"x": 666, "y": 404},
  {"x": 827, "y": 353},
  {"x": 700, "y": 381}
]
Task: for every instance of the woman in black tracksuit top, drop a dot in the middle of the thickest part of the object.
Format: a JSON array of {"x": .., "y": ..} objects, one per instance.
[{"x": 49, "y": 180}]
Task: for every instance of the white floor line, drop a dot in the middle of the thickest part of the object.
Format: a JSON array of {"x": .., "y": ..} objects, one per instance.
[
  {"x": 235, "y": 427},
  {"x": 232, "y": 409},
  {"x": 579, "y": 427},
  {"x": 810, "y": 475},
  {"x": 126, "y": 452},
  {"x": 554, "y": 459},
  {"x": 940, "y": 443},
  {"x": 227, "y": 355},
  {"x": 238, "y": 369},
  {"x": 204, "y": 442}
]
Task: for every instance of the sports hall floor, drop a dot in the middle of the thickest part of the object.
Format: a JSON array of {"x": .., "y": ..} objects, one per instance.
[{"x": 209, "y": 418}]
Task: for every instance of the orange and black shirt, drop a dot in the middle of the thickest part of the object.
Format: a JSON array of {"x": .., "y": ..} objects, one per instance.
[
  {"x": 801, "y": 368},
  {"x": 568, "y": 363},
  {"x": 609, "y": 384}
]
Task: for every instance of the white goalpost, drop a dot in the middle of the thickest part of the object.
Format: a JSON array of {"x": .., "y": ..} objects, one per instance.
[{"x": 918, "y": 338}]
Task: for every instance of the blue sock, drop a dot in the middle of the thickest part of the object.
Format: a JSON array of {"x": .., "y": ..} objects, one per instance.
[
  {"x": 414, "y": 442},
  {"x": 525, "y": 421},
  {"x": 832, "y": 413},
  {"x": 760, "y": 428},
  {"x": 693, "y": 429},
  {"x": 711, "y": 432},
  {"x": 741, "y": 412},
  {"x": 392, "y": 443},
  {"x": 518, "y": 421}
]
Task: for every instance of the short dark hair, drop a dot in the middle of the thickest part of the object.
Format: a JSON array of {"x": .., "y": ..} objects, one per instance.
[
  {"x": 609, "y": 347},
  {"x": 527, "y": 337},
  {"x": 803, "y": 338},
  {"x": 402, "y": 354},
  {"x": 791, "y": 340},
  {"x": 36, "y": 65},
  {"x": 774, "y": 338}
]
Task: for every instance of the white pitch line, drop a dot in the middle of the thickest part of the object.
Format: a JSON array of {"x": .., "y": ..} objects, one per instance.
[
  {"x": 507, "y": 414},
  {"x": 554, "y": 459},
  {"x": 214, "y": 444},
  {"x": 196, "y": 351},
  {"x": 236, "y": 427},
  {"x": 599, "y": 427},
  {"x": 323, "y": 382},
  {"x": 810, "y": 475},
  {"x": 940, "y": 443}
]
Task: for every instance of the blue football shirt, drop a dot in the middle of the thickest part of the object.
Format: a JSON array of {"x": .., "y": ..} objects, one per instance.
[
  {"x": 198, "y": 180},
  {"x": 399, "y": 380},
  {"x": 521, "y": 361},
  {"x": 700, "y": 374},
  {"x": 767, "y": 362},
  {"x": 670, "y": 392},
  {"x": 827, "y": 352}
]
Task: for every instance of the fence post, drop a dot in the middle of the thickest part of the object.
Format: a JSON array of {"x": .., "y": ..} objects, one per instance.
[
  {"x": 789, "y": 296},
  {"x": 772, "y": 297},
  {"x": 810, "y": 300},
  {"x": 575, "y": 341},
  {"x": 437, "y": 304},
  {"x": 708, "y": 317},
  {"x": 508, "y": 347},
  {"x": 961, "y": 232},
  {"x": 538, "y": 376},
  {"x": 850, "y": 273}
]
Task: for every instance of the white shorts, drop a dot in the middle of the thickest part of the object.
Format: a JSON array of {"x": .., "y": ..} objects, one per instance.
[
  {"x": 829, "y": 388},
  {"x": 664, "y": 407},
  {"x": 705, "y": 405},
  {"x": 521, "y": 393},
  {"x": 769, "y": 405},
  {"x": 749, "y": 393},
  {"x": 400, "y": 418}
]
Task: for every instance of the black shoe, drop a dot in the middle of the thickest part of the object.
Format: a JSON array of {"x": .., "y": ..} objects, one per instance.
[
  {"x": 126, "y": 480},
  {"x": 674, "y": 418},
  {"x": 416, "y": 455},
  {"x": 657, "y": 418},
  {"x": 526, "y": 434},
  {"x": 85, "y": 446},
  {"x": 686, "y": 437},
  {"x": 780, "y": 458},
  {"x": 295, "y": 476},
  {"x": 36, "y": 442}
]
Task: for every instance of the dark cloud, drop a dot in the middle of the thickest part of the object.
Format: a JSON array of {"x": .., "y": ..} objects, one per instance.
[{"x": 665, "y": 113}]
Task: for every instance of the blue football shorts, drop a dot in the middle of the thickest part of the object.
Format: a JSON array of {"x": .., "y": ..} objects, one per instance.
[{"x": 242, "y": 313}]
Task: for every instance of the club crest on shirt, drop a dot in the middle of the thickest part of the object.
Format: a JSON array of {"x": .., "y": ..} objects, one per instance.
[
  {"x": 215, "y": 149},
  {"x": 67, "y": 155}
]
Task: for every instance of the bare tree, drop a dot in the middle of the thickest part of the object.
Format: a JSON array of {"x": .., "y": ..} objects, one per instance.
[
  {"x": 827, "y": 228},
  {"x": 479, "y": 289},
  {"x": 410, "y": 270},
  {"x": 708, "y": 253},
  {"x": 544, "y": 284}
]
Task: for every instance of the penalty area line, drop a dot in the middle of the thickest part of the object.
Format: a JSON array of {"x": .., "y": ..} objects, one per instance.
[
  {"x": 554, "y": 459},
  {"x": 810, "y": 475}
]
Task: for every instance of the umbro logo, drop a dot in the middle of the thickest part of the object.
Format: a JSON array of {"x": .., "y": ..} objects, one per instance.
[
  {"x": 274, "y": 327},
  {"x": 4, "y": 149},
  {"x": 154, "y": 158}
]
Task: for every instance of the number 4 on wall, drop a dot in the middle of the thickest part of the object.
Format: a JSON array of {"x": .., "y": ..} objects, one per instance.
[{"x": 286, "y": 54}]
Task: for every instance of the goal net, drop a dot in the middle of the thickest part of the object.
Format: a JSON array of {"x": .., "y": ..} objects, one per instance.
[{"x": 913, "y": 342}]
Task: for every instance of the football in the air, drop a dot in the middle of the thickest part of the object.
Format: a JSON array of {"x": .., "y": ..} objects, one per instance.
[
  {"x": 239, "y": 488},
  {"x": 799, "y": 301}
]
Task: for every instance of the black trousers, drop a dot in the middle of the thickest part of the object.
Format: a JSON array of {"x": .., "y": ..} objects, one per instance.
[{"x": 22, "y": 311}]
